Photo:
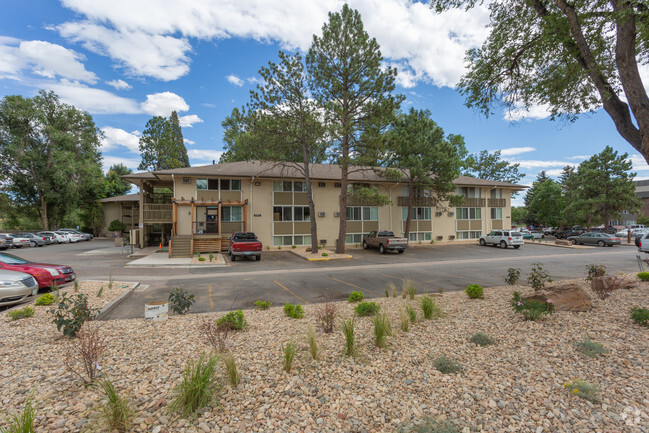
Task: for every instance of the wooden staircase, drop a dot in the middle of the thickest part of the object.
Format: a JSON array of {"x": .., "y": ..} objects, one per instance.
[{"x": 181, "y": 247}]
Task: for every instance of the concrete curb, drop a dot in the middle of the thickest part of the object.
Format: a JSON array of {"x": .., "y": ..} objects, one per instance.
[
  {"x": 114, "y": 303},
  {"x": 574, "y": 247},
  {"x": 321, "y": 259}
]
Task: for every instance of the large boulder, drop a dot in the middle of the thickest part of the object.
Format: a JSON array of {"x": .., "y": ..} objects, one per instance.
[
  {"x": 566, "y": 297},
  {"x": 563, "y": 242}
]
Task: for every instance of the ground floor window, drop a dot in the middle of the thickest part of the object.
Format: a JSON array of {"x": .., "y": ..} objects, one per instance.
[
  {"x": 292, "y": 240},
  {"x": 420, "y": 236},
  {"x": 469, "y": 235},
  {"x": 496, "y": 213},
  {"x": 354, "y": 238}
]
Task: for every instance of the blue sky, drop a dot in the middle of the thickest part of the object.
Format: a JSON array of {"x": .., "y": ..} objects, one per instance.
[{"x": 124, "y": 61}]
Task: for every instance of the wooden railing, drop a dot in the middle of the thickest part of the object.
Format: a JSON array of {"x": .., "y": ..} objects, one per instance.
[
  {"x": 158, "y": 212},
  {"x": 474, "y": 202},
  {"x": 416, "y": 201},
  {"x": 358, "y": 201},
  {"x": 497, "y": 202}
]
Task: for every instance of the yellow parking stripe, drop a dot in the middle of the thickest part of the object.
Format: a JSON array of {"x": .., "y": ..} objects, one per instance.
[
  {"x": 289, "y": 290},
  {"x": 209, "y": 292},
  {"x": 349, "y": 284}
]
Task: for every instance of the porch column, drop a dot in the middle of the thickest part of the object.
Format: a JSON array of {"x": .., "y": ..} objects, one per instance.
[
  {"x": 220, "y": 216},
  {"x": 245, "y": 216}
]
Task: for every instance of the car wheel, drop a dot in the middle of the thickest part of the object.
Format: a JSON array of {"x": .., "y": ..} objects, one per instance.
[
  {"x": 503, "y": 244},
  {"x": 258, "y": 258},
  {"x": 517, "y": 246},
  {"x": 32, "y": 244},
  {"x": 601, "y": 244},
  {"x": 40, "y": 245},
  {"x": 401, "y": 251},
  {"x": 381, "y": 249},
  {"x": 574, "y": 242},
  {"x": 234, "y": 258},
  {"x": 483, "y": 242},
  {"x": 365, "y": 246},
  {"x": 542, "y": 236}
]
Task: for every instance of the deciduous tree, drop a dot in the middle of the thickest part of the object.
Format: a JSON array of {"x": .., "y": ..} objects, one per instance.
[{"x": 115, "y": 185}]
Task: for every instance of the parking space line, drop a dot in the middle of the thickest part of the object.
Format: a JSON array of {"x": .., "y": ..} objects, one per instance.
[
  {"x": 390, "y": 276},
  {"x": 345, "y": 282},
  {"x": 289, "y": 290},
  {"x": 209, "y": 293}
]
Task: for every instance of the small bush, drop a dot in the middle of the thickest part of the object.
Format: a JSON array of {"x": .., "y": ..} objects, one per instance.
[
  {"x": 21, "y": 313},
  {"x": 294, "y": 311},
  {"x": 116, "y": 226},
  {"x": 231, "y": 371},
  {"x": 410, "y": 287},
  {"x": 45, "y": 300},
  {"x": 482, "y": 339},
  {"x": 215, "y": 335},
  {"x": 325, "y": 255},
  {"x": 234, "y": 320},
  {"x": 180, "y": 300},
  {"x": 538, "y": 277},
  {"x": 640, "y": 316},
  {"x": 24, "y": 422},
  {"x": 211, "y": 257},
  {"x": 262, "y": 305},
  {"x": 382, "y": 329},
  {"x": 589, "y": 347},
  {"x": 584, "y": 390},
  {"x": 288, "y": 356},
  {"x": 355, "y": 297},
  {"x": 428, "y": 425},
  {"x": 326, "y": 314},
  {"x": 593, "y": 271},
  {"x": 430, "y": 308},
  {"x": 71, "y": 313},
  {"x": 367, "y": 309},
  {"x": 312, "y": 341},
  {"x": 347, "y": 327},
  {"x": 392, "y": 288},
  {"x": 293, "y": 246},
  {"x": 412, "y": 314},
  {"x": 84, "y": 353},
  {"x": 387, "y": 293},
  {"x": 198, "y": 387},
  {"x": 404, "y": 320},
  {"x": 114, "y": 410},
  {"x": 513, "y": 275},
  {"x": 475, "y": 291},
  {"x": 644, "y": 276},
  {"x": 531, "y": 309},
  {"x": 447, "y": 366},
  {"x": 201, "y": 259}
]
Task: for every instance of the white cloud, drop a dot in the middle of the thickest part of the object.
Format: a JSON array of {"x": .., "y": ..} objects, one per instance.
[
  {"x": 233, "y": 79},
  {"x": 95, "y": 101},
  {"x": 115, "y": 137},
  {"x": 202, "y": 155},
  {"x": 190, "y": 142},
  {"x": 151, "y": 37},
  {"x": 162, "y": 104},
  {"x": 109, "y": 160},
  {"x": 582, "y": 157},
  {"x": 11, "y": 60},
  {"x": 554, "y": 172},
  {"x": 516, "y": 150},
  {"x": 535, "y": 112},
  {"x": 189, "y": 120},
  {"x": 119, "y": 84},
  {"x": 639, "y": 163},
  {"x": 541, "y": 164},
  {"x": 51, "y": 60}
]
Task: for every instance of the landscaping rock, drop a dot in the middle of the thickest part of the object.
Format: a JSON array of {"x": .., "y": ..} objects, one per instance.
[
  {"x": 563, "y": 242},
  {"x": 565, "y": 297},
  {"x": 608, "y": 283}
]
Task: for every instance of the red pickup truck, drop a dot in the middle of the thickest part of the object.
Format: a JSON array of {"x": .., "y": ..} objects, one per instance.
[{"x": 244, "y": 244}]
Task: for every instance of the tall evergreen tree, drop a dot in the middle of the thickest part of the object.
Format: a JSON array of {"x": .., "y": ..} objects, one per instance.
[
  {"x": 162, "y": 146},
  {"x": 178, "y": 140},
  {"x": 354, "y": 89}
]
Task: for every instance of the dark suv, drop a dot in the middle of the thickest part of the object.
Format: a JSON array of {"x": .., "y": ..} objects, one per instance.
[{"x": 564, "y": 234}]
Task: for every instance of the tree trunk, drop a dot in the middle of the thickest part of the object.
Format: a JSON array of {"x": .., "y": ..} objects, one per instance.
[
  {"x": 411, "y": 192},
  {"x": 309, "y": 196},
  {"x": 44, "y": 221},
  {"x": 342, "y": 230}
]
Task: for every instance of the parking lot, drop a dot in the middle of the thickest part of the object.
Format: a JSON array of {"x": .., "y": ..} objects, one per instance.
[{"x": 283, "y": 277}]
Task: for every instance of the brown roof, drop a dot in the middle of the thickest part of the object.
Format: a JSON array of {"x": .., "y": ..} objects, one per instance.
[
  {"x": 318, "y": 172},
  {"x": 119, "y": 198}
]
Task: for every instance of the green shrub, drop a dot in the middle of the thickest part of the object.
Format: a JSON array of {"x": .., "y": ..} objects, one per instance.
[
  {"x": 231, "y": 371},
  {"x": 180, "y": 300},
  {"x": 382, "y": 329},
  {"x": 21, "y": 313},
  {"x": 640, "y": 316},
  {"x": 513, "y": 275},
  {"x": 45, "y": 300},
  {"x": 589, "y": 347},
  {"x": 447, "y": 366},
  {"x": 201, "y": 259},
  {"x": 538, "y": 277},
  {"x": 288, "y": 355},
  {"x": 114, "y": 410},
  {"x": 481, "y": 339},
  {"x": 584, "y": 390},
  {"x": 531, "y": 309},
  {"x": 410, "y": 287},
  {"x": 428, "y": 425},
  {"x": 325, "y": 255},
  {"x": 355, "y": 297},
  {"x": 23, "y": 423},
  {"x": 293, "y": 246},
  {"x": 72, "y": 312},
  {"x": 234, "y": 321},
  {"x": 263, "y": 305},
  {"x": 294, "y": 311},
  {"x": 475, "y": 291},
  {"x": 211, "y": 256},
  {"x": 367, "y": 309},
  {"x": 198, "y": 388},
  {"x": 116, "y": 226},
  {"x": 404, "y": 320},
  {"x": 644, "y": 276},
  {"x": 347, "y": 327},
  {"x": 411, "y": 313},
  {"x": 430, "y": 308},
  {"x": 594, "y": 271}
]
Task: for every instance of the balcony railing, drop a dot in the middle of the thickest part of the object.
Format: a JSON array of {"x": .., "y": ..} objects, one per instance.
[
  {"x": 497, "y": 202},
  {"x": 474, "y": 202},
  {"x": 358, "y": 201},
  {"x": 416, "y": 201},
  {"x": 157, "y": 212}
]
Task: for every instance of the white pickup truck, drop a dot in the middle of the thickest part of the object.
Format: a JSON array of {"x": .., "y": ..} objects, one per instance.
[{"x": 385, "y": 240}]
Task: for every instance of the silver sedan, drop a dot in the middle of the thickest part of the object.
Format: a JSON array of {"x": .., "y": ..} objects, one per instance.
[{"x": 16, "y": 287}]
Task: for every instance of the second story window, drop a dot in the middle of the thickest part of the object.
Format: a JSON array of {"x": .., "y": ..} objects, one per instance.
[
  {"x": 213, "y": 184},
  {"x": 468, "y": 192}
]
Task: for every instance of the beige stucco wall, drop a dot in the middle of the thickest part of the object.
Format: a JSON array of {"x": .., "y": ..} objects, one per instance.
[{"x": 112, "y": 211}]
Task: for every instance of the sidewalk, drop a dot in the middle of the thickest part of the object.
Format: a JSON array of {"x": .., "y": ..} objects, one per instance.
[{"x": 162, "y": 259}]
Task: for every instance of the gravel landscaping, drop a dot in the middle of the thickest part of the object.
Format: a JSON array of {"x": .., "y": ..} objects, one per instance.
[{"x": 515, "y": 385}]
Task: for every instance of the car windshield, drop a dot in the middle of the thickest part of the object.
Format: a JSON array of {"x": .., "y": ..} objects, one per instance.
[
  {"x": 10, "y": 259},
  {"x": 516, "y": 234},
  {"x": 245, "y": 237}
]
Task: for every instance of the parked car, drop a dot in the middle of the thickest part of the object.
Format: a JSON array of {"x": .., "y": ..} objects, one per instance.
[
  {"x": 34, "y": 241},
  {"x": 532, "y": 235},
  {"x": 503, "y": 238},
  {"x": 385, "y": 241},
  {"x": 643, "y": 244},
  {"x": 55, "y": 237},
  {"x": 66, "y": 237},
  {"x": 46, "y": 274},
  {"x": 600, "y": 239},
  {"x": 244, "y": 244},
  {"x": 566, "y": 233},
  {"x": 84, "y": 236},
  {"x": 634, "y": 232},
  {"x": 6, "y": 242},
  {"x": 19, "y": 241},
  {"x": 549, "y": 231},
  {"x": 16, "y": 287}
]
